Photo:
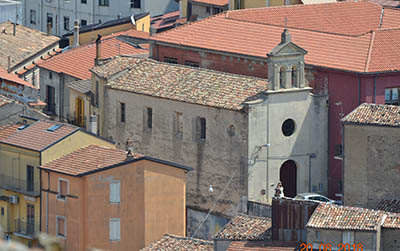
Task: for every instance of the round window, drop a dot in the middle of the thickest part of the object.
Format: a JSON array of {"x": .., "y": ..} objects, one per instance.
[{"x": 288, "y": 127}]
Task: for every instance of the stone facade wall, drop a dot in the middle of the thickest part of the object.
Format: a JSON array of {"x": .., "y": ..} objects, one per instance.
[
  {"x": 371, "y": 164},
  {"x": 215, "y": 159},
  {"x": 390, "y": 239}
]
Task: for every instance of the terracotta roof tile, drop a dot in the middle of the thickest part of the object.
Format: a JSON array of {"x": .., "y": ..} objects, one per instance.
[
  {"x": 373, "y": 114},
  {"x": 337, "y": 35},
  {"x": 392, "y": 206},
  {"x": 8, "y": 130},
  {"x": 185, "y": 84},
  {"x": 166, "y": 21},
  {"x": 246, "y": 227},
  {"x": 213, "y": 2},
  {"x": 328, "y": 216},
  {"x": 4, "y": 100},
  {"x": 77, "y": 62},
  {"x": 176, "y": 243},
  {"x": 129, "y": 33},
  {"x": 86, "y": 159},
  {"x": 262, "y": 246},
  {"x": 24, "y": 44},
  {"x": 14, "y": 78},
  {"x": 36, "y": 137}
]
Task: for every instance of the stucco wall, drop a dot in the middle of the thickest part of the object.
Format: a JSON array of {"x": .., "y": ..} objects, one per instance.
[
  {"x": 9, "y": 113},
  {"x": 200, "y": 10},
  {"x": 371, "y": 160},
  {"x": 307, "y": 146},
  {"x": 390, "y": 239},
  {"x": 214, "y": 159},
  {"x": 334, "y": 237}
]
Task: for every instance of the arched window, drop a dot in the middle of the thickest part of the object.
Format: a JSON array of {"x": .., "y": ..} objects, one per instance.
[
  {"x": 294, "y": 77},
  {"x": 282, "y": 75}
]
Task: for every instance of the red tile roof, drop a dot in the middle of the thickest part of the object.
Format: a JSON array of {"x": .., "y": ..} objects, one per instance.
[
  {"x": 14, "y": 78},
  {"x": 213, "y": 2},
  {"x": 176, "y": 243},
  {"x": 336, "y": 35},
  {"x": 129, "y": 33},
  {"x": 8, "y": 130},
  {"x": 86, "y": 159},
  {"x": 328, "y": 216},
  {"x": 166, "y": 21},
  {"x": 262, "y": 246},
  {"x": 373, "y": 114},
  {"x": 4, "y": 100},
  {"x": 77, "y": 62},
  {"x": 36, "y": 137},
  {"x": 246, "y": 227}
]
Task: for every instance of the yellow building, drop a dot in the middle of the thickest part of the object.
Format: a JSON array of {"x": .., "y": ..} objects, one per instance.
[
  {"x": 88, "y": 33},
  {"x": 23, "y": 148}
]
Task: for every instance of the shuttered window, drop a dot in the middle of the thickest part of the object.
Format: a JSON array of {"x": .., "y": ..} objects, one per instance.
[
  {"x": 115, "y": 192},
  {"x": 115, "y": 229}
]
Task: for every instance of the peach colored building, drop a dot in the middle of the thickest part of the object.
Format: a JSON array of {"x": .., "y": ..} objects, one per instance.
[{"x": 98, "y": 197}]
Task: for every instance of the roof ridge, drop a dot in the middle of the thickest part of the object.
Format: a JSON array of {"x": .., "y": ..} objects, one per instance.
[
  {"x": 371, "y": 43},
  {"x": 189, "y": 238}
]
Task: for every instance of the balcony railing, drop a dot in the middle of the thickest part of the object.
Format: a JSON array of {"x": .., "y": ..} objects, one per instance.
[
  {"x": 19, "y": 185},
  {"x": 77, "y": 120},
  {"x": 26, "y": 228}
]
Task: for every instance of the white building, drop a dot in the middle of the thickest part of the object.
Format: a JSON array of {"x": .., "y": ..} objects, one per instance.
[
  {"x": 62, "y": 13},
  {"x": 11, "y": 10}
]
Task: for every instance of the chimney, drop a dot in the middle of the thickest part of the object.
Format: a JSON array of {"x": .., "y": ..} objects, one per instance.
[
  {"x": 49, "y": 29},
  {"x": 14, "y": 28},
  {"x": 98, "y": 50},
  {"x": 93, "y": 124},
  {"x": 9, "y": 64},
  {"x": 76, "y": 33}
]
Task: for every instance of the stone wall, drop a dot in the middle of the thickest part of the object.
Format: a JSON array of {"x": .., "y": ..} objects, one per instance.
[{"x": 371, "y": 164}]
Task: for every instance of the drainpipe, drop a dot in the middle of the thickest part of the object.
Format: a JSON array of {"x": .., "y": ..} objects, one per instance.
[
  {"x": 47, "y": 201},
  {"x": 374, "y": 98},
  {"x": 311, "y": 156},
  {"x": 359, "y": 89},
  {"x": 343, "y": 164},
  {"x": 379, "y": 232}
]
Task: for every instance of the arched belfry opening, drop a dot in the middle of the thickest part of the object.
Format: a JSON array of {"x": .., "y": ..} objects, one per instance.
[
  {"x": 288, "y": 177},
  {"x": 286, "y": 64}
]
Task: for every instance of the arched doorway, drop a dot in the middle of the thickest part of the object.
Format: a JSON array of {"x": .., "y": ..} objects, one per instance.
[{"x": 288, "y": 177}]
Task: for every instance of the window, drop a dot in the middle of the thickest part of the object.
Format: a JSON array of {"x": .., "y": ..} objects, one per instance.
[
  {"x": 83, "y": 22},
  {"x": 29, "y": 178},
  {"x": 61, "y": 226},
  {"x": 115, "y": 191},
  {"x": 115, "y": 229},
  {"x": 288, "y": 127},
  {"x": 282, "y": 77},
  {"x": 33, "y": 16},
  {"x": 190, "y": 63},
  {"x": 170, "y": 60},
  {"x": 392, "y": 96},
  {"x": 338, "y": 151},
  {"x": 216, "y": 10},
  {"x": 103, "y": 3},
  {"x": 135, "y": 4},
  {"x": 348, "y": 237},
  {"x": 208, "y": 9},
  {"x": 318, "y": 235},
  {"x": 149, "y": 112},
  {"x": 2, "y": 211},
  {"x": 62, "y": 189},
  {"x": 49, "y": 22},
  {"x": 202, "y": 132},
  {"x": 66, "y": 23},
  {"x": 97, "y": 94},
  {"x": 84, "y": 1},
  {"x": 122, "y": 107},
  {"x": 50, "y": 75}
]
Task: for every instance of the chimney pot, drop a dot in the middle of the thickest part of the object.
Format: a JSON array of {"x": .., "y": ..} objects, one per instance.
[
  {"x": 9, "y": 64},
  {"x": 98, "y": 50}
]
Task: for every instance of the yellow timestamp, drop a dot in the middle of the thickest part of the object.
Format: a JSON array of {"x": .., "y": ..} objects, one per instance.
[{"x": 328, "y": 247}]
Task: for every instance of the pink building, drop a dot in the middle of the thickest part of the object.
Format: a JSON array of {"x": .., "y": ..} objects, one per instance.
[{"x": 98, "y": 197}]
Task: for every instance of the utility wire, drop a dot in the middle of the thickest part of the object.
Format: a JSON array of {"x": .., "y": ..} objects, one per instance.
[{"x": 215, "y": 203}]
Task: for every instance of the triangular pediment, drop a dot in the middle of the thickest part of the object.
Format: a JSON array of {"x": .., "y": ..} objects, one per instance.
[{"x": 286, "y": 49}]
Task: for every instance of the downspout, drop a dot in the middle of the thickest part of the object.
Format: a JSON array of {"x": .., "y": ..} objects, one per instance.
[
  {"x": 268, "y": 149},
  {"x": 379, "y": 232},
  {"x": 47, "y": 202},
  {"x": 343, "y": 163},
  {"x": 40, "y": 192},
  {"x": 374, "y": 98},
  {"x": 359, "y": 89}
]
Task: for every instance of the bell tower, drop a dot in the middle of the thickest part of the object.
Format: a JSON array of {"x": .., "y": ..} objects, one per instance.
[{"x": 286, "y": 64}]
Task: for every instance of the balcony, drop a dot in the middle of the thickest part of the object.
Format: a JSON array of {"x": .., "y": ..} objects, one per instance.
[
  {"x": 26, "y": 229},
  {"x": 19, "y": 185},
  {"x": 77, "y": 120}
]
